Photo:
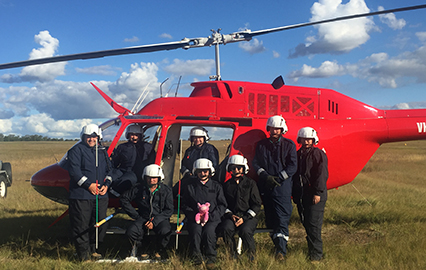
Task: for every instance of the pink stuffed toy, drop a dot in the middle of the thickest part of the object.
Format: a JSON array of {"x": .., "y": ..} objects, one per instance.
[{"x": 203, "y": 213}]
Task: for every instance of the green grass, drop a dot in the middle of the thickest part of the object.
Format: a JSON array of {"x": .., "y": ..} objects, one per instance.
[{"x": 376, "y": 222}]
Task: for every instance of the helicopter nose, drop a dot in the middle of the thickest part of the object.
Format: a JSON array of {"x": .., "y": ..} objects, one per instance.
[{"x": 52, "y": 182}]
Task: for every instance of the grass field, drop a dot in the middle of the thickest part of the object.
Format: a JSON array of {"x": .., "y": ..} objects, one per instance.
[{"x": 376, "y": 222}]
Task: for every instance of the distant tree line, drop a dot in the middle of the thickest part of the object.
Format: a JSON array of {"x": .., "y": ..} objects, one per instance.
[{"x": 13, "y": 138}]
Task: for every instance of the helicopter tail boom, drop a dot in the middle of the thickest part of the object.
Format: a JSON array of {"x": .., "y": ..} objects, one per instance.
[{"x": 406, "y": 125}]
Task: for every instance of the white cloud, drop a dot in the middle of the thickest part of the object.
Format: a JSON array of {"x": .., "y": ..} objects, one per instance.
[
  {"x": 131, "y": 40},
  {"x": 390, "y": 20},
  {"x": 338, "y": 37},
  {"x": 327, "y": 69},
  {"x": 379, "y": 68},
  {"x": 5, "y": 126},
  {"x": 41, "y": 73},
  {"x": 165, "y": 35},
  {"x": 401, "y": 106},
  {"x": 421, "y": 36},
  {"x": 253, "y": 46},
  {"x": 45, "y": 72},
  {"x": 60, "y": 108},
  {"x": 130, "y": 85},
  {"x": 410, "y": 105},
  {"x": 45, "y": 125},
  {"x": 63, "y": 100},
  {"x": 59, "y": 99},
  {"x": 139, "y": 76},
  {"x": 199, "y": 67},
  {"x": 276, "y": 54},
  {"x": 246, "y": 27}
]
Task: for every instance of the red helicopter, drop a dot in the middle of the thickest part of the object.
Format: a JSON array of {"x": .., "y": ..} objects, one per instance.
[{"x": 349, "y": 130}]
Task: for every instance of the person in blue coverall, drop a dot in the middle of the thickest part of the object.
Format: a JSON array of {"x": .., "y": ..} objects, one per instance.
[
  {"x": 275, "y": 162},
  {"x": 200, "y": 148},
  {"x": 88, "y": 164},
  {"x": 130, "y": 159}
]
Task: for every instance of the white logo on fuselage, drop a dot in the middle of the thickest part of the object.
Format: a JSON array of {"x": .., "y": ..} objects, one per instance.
[{"x": 421, "y": 127}]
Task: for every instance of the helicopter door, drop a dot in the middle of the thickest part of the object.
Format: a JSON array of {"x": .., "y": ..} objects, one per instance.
[
  {"x": 171, "y": 147},
  {"x": 177, "y": 142}
]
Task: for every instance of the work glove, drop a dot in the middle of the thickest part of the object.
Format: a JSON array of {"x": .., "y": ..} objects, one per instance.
[
  {"x": 263, "y": 176},
  {"x": 228, "y": 215},
  {"x": 272, "y": 181}
]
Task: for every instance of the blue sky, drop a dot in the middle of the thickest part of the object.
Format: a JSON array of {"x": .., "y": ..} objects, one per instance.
[{"x": 378, "y": 60}]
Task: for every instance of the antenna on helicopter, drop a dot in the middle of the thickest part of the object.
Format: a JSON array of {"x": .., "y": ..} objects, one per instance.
[
  {"x": 161, "y": 87},
  {"x": 139, "y": 102},
  {"x": 177, "y": 87}
]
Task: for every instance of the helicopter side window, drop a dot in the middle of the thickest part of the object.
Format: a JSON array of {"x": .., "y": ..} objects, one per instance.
[
  {"x": 273, "y": 104},
  {"x": 132, "y": 153},
  {"x": 285, "y": 104},
  {"x": 261, "y": 104},
  {"x": 110, "y": 129},
  {"x": 251, "y": 102}
]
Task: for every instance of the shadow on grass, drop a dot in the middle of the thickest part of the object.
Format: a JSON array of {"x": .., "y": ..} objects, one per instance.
[{"x": 25, "y": 236}]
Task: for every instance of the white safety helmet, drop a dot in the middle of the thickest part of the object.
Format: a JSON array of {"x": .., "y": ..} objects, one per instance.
[
  {"x": 309, "y": 133},
  {"x": 203, "y": 164},
  {"x": 277, "y": 121},
  {"x": 238, "y": 160},
  {"x": 199, "y": 132},
  {"x": 134, "y": 129},
  {"x": 90, "y": 130},
  {"x": 153, "y": 170}
]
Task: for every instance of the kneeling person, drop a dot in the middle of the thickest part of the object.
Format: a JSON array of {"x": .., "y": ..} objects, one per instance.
[
  {"x": 155, "y": 207},
  {"x": 244, "y": 202}
]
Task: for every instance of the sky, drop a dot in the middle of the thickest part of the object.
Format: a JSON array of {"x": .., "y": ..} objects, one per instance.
[{"x": 378, "y": 60}]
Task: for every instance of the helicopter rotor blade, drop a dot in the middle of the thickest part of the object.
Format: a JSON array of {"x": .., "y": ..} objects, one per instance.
[
  {"x": 354, "y": 16},
  {"x": 214, "y": 39},
  {"x": 99, "y": 54}
]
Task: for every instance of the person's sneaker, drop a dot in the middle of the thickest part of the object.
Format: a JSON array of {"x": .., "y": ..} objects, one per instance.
[
  {"x": 211, "y": 263},
  {"x": 157, "y": 256},
  {"x": 96, "y": 256},
  {"x": 210, "y": 266},
  {"x": 144, "y": 257}
]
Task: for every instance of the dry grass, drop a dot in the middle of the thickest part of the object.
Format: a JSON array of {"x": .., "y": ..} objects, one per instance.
[{"x": 375, "y": 222}]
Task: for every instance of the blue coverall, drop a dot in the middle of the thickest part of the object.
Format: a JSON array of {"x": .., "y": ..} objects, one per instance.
[{"x": 277, "y": 159}]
